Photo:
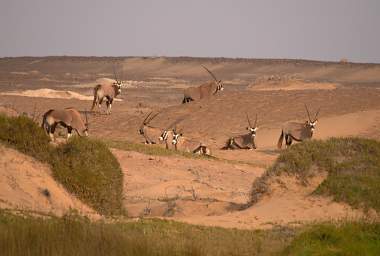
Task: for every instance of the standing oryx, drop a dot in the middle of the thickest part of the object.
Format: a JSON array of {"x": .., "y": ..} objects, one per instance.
[
  {"x": 203, "y": 91},
  {"x": 185, "y": 144},
  {"x": 69, "y": 118},
  {"x": 150, "y": 134},
  {"x": 167, "y": 134},
  {"x": 298, "y": 131},
  {"x": 245, "y": 141},
  {"x": 108, "y": 89}
]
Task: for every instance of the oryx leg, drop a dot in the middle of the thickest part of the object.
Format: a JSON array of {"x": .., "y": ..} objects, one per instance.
[
  {"x": 229, "y": 144},
  {"x": 109, "y": 105},
  {"x": 69, "y": 131},
  {"x": 100, "y": 101},
  {"x": 52, "y": 130},
  {"x": 288, "y": 140}
]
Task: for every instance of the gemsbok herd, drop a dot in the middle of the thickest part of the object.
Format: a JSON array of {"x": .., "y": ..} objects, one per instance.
[{"x": 108, "y": 89}]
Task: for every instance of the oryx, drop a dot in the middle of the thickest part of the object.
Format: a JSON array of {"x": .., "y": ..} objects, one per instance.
[
  {"x": 185, "y": 144},
  {"x": 245, "y": 141},
  {"x": 106, "y": 89},
  {"x": 150, "y": 134},
  {"x": 167, "y": 134},
  {"x": 203, "y": 91},
  {"x": 69, "y": 118},
  {"x": 298, "y": 131}
]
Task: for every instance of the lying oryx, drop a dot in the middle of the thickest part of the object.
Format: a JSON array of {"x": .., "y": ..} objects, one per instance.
[
  {"x": 69, "y": 118},
  {"x": 245, "y": 141},
  {"x": 150, "y": 134},
  {"x": 106, "y": 89},
  {"x": 298, "y": 131},
  {"x": 185, "y": 144},
  {"x": 203, "y": 91}
]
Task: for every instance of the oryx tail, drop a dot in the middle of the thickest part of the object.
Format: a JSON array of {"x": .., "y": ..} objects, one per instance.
[
  {"x": 280, "y": 140},
  {"x": 44, "y": 123},
  {"x": 96, "y": 98}
]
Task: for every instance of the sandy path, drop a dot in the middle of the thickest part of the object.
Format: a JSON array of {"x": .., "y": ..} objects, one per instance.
[{"x": 26, "y": 184}]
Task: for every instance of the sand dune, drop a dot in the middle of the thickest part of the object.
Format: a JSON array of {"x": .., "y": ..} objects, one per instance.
[
  {"x": 295, "y": 85},
  {"x": 26, "y": 184},
  {"x": 49, "y": 93},
  {"x": 289, "y": 203}
]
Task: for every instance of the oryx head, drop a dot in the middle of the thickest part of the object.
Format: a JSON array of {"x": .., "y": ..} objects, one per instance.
[
  {"x": 219, "y": 84},
  {"x": 252, "y": 129},
  {"x": 164, "y": 135},
  {"x": 118, "y": 83},
  {"x": 169, "y": 129},
  {"x": 176, "y": 136},
  {"x": 311, "y": 123}
]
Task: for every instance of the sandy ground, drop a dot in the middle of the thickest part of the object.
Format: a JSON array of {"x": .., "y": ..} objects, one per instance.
[{"x": 207, "y": 192}]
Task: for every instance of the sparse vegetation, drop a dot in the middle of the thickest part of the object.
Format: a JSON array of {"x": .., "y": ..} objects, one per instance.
[
  {"x": 85, "y": 167},
  {"x": 353, "y": 166},
  {"x": 356, "y": 238},
  {"x": 72, "y": 235},
  {"x": 152, "y": 149}
]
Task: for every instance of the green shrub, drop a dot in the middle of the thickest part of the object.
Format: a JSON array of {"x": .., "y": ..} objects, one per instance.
[
  {"x": 357, "y": 238},
  {"x": 353, "y": 166},
  {"x": 90, "y": 171},
  {"x": 85, "y": 167},
  {"x": 24, "y": 135}
]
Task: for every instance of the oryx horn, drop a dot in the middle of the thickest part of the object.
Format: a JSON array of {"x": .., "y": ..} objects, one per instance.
[
  {"x": 316, "y": 115},
  {"x": 216, "y": 80},
  {"x": 146, "y": 118},
  {"x": 249, "y": 121},
  {"x": 308, "y": 114},
  {"x": 114, "y": 73}
]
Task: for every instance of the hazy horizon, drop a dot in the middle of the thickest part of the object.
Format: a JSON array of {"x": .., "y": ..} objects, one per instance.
[{"x": 290, "y": 29}]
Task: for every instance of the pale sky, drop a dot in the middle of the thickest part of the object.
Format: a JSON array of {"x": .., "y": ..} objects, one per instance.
[{"x": 296, "y": 29}]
